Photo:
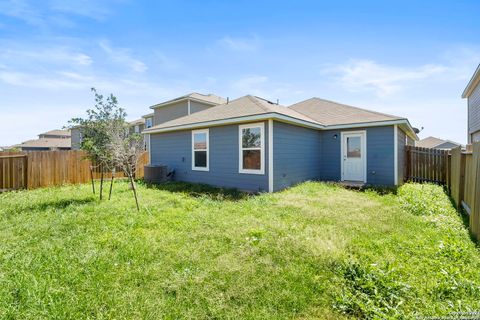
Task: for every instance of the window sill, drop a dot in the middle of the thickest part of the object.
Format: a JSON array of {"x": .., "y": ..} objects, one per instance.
[{"x": 251, "y": 171}]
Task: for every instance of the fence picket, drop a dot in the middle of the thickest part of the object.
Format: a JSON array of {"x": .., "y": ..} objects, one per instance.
[{"x": 50, "y": 168}]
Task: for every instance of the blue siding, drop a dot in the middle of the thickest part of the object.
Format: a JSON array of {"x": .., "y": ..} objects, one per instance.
[
  {"x": 296, "y": 155},
  {"x": 174, "y": 150},
  {"x": 299, "y": 154},
  {"x": 380, "y": 155}
]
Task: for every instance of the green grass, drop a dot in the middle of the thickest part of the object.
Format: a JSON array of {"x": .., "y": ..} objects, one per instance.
[{"x": 313, "y": 251}]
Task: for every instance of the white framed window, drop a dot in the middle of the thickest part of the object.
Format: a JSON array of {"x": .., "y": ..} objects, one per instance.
[
  {"x": 200, "y": 147},
  {"x": 251, "y": 148},
  {"x": 137, "y": 129},
  {"x": 149, "y": 122}
]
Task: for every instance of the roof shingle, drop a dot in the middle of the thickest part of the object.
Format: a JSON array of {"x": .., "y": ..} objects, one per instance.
[
  {"x": 331, "y": 113},
  {"x": 241, "y": 107}
]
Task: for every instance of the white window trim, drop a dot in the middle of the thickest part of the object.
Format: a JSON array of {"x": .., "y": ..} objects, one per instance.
[
  {"x": 207, "y": 168},
  {"x": 260, "y": 125},
  {"x": 364, "y": 146}
]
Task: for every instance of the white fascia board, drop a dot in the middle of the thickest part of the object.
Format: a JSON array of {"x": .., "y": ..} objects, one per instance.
[
  {"x": 287, "y": 119},
  {"x": 263, "y": 116},
  {"x": 403, "y": 122}
]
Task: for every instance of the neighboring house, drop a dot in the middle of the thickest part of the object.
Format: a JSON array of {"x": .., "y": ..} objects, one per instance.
[
  {"x": 44, "y": 144},
  {"x": 76, "y": 138},
  {"x": 472, "y": 93},
  {"x": 436, "y": 143},
  {"x": 55, "y": 134},
  {"x": 255, "y": 145},
  {"x": 183, "y": 106},
  {"x": 136, "y": 126},
  {"x": 48, "y": 141},
  {"x": 148, "y": 124}
]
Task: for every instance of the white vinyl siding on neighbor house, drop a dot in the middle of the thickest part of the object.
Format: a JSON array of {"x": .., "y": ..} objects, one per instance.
[
  {"x": 200, "y": 147},
  {"x": 251, "y": 148},
  {"x": 474, "y": 115}
]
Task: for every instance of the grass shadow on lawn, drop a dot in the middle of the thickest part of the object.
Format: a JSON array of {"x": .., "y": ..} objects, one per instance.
[
  {"x": 60, "y": 204},
  {"x": 196, "y": 190}
]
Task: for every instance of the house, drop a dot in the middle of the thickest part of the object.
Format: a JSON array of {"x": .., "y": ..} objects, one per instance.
[
  {"x": 136, "y": 126},
  {"x": 55, "y": 134},
  {"x": 255, "y": 145},
  {"x": 47, "y": 141},
  {"x": 472, "y": 94},
  {"x": 437, "y": 143}
]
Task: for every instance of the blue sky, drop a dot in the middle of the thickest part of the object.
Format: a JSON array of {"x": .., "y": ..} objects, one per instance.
[{"x": 408, "y": 58}]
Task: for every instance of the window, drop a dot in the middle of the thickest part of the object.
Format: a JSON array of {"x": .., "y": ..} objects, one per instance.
[
  {"x": 251, "y": 148},
  {"x": 354, "y": 149},
  {"x": 200, "y": 146},
  {"x": 149, "y": 122},
  {"x": 137, "y": 129}
]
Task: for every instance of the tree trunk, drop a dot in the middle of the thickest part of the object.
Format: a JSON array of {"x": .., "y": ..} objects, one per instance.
[
  {"x": 101, "y": 186},
  {"x": 132, "y": 182},
  {"x": 91, "y": 177},
  {"x": 111, "y": 185}
]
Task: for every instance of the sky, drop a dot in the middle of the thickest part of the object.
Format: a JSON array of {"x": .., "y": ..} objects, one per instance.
[{"x": 407, "y": 58}]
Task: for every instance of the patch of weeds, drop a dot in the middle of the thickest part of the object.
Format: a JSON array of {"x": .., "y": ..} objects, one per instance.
[
  {"x": 369, "y": 291},
  {"x": 424, "y": 199}
]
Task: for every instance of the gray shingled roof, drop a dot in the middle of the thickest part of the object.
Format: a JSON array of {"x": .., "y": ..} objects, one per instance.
[
  {"x": 331, "y": 113},
  {"x": 241, "y": 107},
  {"x": 208, "y": 98},
  {"x": 46, "y": 143},
  {"x": 433, "y": 142},
  {"x": 56, "y": 133}
]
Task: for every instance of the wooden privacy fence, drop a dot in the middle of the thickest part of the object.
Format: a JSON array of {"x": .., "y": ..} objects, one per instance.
[
  {"x": 465, "y": 184},
  {"x": 427, "y": 165},
  {"x": 51, "y": 168}
]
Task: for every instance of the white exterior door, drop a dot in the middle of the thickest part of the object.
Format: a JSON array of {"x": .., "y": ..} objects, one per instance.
[{"x": 354, "y": 160}]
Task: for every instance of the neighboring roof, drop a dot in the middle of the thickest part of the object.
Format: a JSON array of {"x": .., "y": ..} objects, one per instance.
[
  {"x": 45, "y": 143},
  {"x": 246, "y": 106},
  {"x": 210, "y": 99},
  {"x": 137, "y": 122},
  {"x": 148, "y": 115},
  {"x": 56, "y": 133},
  {"x": 331, "y": 113},
  {"x": 315, "y": 113},
  {"x": 472, "y": 84},
  {"x": 433, "y": 142}
]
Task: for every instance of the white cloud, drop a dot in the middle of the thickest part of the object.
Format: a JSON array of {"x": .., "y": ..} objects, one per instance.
[
  {"x": 123, "y": 56},
  {"x": 23, "y": 10},
  {"x": 97, "y": 10},
  {"x": 384, "y": 80},
  {"x": 240, "y": 44},
  {"x": 35, "y": 55}
]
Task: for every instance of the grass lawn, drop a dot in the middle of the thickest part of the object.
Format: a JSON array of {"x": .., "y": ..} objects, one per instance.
[{"x": 313, "y": 251}]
